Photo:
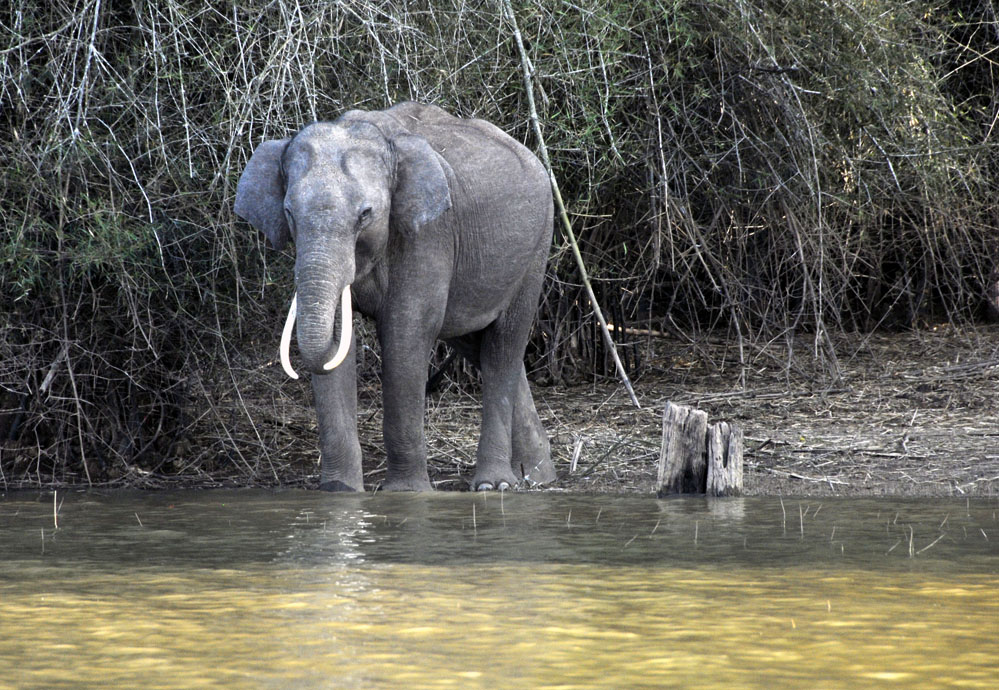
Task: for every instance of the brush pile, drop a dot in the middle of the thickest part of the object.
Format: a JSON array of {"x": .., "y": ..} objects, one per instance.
[{"x": 755, "y": 170}]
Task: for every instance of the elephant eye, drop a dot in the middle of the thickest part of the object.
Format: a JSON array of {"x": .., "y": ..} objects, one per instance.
[{"x": 364, "y": 216}]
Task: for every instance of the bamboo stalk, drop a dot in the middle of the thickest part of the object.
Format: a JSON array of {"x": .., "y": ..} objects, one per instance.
[{"x": 560, "y": 205}]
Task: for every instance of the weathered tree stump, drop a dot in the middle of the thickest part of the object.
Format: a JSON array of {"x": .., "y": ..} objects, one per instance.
[
  {"x": 724, "y": 460},
  {"x": 696, "y": 459},
  {"x": 682, "y": 462}
]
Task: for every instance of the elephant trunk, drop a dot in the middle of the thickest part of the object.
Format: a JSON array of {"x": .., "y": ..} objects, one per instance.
[{"x": 315, "y": 336}]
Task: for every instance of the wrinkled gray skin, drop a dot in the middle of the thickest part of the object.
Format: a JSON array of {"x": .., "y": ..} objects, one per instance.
[{"x": 441, "y": 226}]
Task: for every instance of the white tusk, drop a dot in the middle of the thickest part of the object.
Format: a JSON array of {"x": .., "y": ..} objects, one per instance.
[
  {"x": 346, "y": 332},
  {"x": 289, "y": 325}
]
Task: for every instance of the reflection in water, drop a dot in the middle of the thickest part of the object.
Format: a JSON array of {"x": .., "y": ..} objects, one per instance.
[{"x": 297, "y": 589}]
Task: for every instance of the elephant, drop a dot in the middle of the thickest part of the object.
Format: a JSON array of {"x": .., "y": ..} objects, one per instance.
[{"x": 437, "y": 228}]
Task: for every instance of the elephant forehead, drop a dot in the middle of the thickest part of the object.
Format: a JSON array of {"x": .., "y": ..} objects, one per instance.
[
  {"x": 313, "y": 194},
  {"x": 329, "y": 140},
  {"x": 335, "y": 154}
]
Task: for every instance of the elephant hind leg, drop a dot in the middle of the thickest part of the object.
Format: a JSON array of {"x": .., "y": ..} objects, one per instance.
[
  {"x": 531, "y": 458},
  {"x": 530, "y": 450}
]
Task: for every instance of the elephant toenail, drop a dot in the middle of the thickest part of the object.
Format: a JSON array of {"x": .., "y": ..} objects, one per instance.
[
  {"x": 484, "y": 486},
  {"x": 503, "y": 486}
]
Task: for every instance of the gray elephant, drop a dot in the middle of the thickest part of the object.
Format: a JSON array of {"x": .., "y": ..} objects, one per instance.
[{"x": 436, "y": 227}]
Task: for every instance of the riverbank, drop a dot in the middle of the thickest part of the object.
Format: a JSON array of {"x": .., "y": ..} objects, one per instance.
[{"x": 913, "y": 414}]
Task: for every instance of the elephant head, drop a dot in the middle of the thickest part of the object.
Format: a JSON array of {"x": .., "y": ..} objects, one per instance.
[{"x": 339, "y": 190}]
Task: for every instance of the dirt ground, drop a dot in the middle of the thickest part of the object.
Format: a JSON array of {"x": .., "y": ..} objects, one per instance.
[{"x": 913, "y": 414}]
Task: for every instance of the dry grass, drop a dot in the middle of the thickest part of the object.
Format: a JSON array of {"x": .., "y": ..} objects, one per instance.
[{"x": 913, "y": 414}]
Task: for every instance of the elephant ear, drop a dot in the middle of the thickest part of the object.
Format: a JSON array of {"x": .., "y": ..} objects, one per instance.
[
  {"x": 421, "y": 193},
  {"x": 260, "y": 192}
]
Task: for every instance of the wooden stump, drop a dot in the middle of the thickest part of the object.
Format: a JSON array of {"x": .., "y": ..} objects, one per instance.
[
  {"x": 682, "y": 462},
  {"x": 724, "y": 460},
  {"x": 696, "y": 459}
]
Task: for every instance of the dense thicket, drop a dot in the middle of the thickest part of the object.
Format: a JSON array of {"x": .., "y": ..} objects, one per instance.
[{"x": 758, "y": 167}]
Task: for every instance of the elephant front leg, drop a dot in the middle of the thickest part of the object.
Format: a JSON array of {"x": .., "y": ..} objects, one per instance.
[
  {"x": 335, "y": 396},
  {"x": 404, "y": 380}
]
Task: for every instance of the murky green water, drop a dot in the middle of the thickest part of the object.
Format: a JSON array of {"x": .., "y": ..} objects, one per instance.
[{"x": 306, "y": 590}]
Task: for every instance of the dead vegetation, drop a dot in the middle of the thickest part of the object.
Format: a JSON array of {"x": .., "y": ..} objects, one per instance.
[
  {"x": 762, "y": 174},
  {"x": 913, "y": 414}
]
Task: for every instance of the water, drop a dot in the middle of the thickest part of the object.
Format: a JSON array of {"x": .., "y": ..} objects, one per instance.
[{"x": 300, "y": 589}]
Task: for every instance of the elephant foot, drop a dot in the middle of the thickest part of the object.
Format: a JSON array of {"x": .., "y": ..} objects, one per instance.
[
  {"x": 493, "y": 481},
  {"x": 538, "y": 472},
  {"x": 407, "y": 484},
  {"x": 336, "y": 485},
  {"x": 488, "y": 486}
]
